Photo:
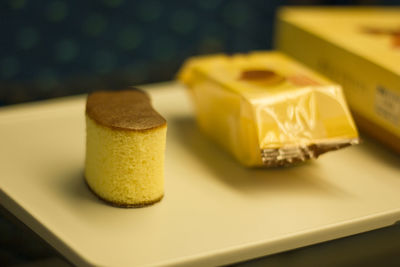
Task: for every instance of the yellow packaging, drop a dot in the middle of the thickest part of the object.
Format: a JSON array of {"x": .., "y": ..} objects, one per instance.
[
  {"x": 266, "y": 109},
  {"x": 358, "y": 48}
]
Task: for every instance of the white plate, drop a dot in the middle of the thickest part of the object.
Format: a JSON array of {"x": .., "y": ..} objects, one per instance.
[{"x": 214, "y": 211}]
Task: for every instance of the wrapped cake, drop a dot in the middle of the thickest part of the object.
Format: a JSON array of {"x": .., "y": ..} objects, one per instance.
[{"x": 266, "y": 109}]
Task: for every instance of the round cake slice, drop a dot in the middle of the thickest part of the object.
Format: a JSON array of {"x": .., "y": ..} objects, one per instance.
[{"x": 125, "y": 146}]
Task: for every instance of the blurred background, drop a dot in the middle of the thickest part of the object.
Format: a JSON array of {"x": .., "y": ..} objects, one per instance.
[{"x": 55, "y": 48}]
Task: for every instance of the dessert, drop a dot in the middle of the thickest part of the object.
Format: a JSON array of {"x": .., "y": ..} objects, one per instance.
[
  {"x": 266, "y": 109},
  {"x": 125, "y": 145}
]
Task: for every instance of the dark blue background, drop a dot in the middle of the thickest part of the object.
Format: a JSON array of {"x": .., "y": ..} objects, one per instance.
[{"x": 52, "y": 48}]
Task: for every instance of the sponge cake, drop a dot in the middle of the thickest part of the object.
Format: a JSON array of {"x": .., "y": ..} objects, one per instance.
[{"x": 125, "y": 144}]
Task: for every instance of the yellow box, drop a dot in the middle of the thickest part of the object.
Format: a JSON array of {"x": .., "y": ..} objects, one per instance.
[
  {"x": 266, "y": 109},
  {"x": 360, "y": 49}
]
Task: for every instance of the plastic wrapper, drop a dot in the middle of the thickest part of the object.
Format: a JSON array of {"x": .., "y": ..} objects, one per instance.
[{"x": 266, "y": 109}]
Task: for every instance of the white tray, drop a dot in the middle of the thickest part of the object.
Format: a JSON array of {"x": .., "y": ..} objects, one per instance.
[{"x": 214, "y": 211}]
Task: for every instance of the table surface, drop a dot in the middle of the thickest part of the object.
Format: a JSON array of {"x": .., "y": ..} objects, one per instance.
[{"x": 214, "y": 212}]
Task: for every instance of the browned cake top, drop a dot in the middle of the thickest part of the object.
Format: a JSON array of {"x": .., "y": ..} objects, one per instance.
[{"x": 123, "y": 110}]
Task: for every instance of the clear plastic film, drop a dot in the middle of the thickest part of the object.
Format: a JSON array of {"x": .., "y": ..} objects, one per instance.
[{"x": 266, "y": 109}]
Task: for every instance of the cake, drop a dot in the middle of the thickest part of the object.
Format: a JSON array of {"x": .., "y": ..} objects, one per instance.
[
  {"x": 266, "y": 109},
  {"x": 125, "y": 145}
]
